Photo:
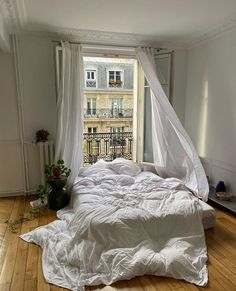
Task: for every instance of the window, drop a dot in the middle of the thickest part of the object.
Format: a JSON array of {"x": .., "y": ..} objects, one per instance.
[
  {"x": 115, "y": 79},
  {"x": 90, "y": 78},
  {"x": 92, "y": 129},
  {"x": 116, "y": 106},
  {"x": 138, "y": 123},
  {"x": 91, "y": 106},
  {"x": 117, "y": 138},
  {"x": 163, "y": 66},
  {"x": 117, "y": 129}
]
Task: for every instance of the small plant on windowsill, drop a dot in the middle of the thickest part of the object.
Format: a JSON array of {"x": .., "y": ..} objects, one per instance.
[
  {"x": 57, "y": 174},
  {"x": 115, "y": 83}
]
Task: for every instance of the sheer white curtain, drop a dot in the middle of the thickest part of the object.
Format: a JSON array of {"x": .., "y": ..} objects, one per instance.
[
  {"x": 173, "y": 151},
  {"x": 70, "y": 109}
]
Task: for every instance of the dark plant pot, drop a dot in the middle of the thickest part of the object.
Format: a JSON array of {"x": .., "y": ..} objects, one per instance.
[
  {"x": 58, "y": 199},
  {"x": 58, "y": 184},
  {"x": 220, "y": 187}
]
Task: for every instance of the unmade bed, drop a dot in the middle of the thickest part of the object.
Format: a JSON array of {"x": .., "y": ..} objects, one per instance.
[{"x": 124, "y": 223}]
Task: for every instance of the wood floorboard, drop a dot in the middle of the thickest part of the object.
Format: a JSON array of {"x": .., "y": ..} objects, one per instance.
[{"x": 21, "y": 263}]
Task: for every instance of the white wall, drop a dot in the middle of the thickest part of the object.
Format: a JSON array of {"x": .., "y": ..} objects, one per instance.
[
  {"x": 179, "y": 83},
  {"x": 210, "y": 115},
  {"x": 11, "y": 171},
  {"x": 37, "y": 86},
  {"x": 36, "y": 58}
]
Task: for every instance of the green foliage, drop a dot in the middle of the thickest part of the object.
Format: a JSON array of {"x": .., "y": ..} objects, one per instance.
[
  {"x": 14, "y": 225},
  {"x": 43, "y": 191},
  {"x": 57, "y": 170}
]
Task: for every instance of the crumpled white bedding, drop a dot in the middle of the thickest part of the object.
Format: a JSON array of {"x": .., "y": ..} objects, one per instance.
[{"x": 121, "y": 226}]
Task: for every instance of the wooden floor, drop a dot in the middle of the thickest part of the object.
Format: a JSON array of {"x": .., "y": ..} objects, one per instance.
[{"x": 20, "y": 262}]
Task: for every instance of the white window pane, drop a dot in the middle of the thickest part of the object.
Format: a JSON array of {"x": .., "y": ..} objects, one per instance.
[{"x": 162, "y": 65}]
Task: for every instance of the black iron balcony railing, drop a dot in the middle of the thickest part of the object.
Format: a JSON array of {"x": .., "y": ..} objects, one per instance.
[
  {"x": 107, "y": 146},
  {"x": 108, "y": 113},
  {"x": 91, "y": 83}
]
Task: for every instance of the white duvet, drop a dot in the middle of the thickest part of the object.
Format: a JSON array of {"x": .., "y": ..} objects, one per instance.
[{"x": 123, "y": 223}]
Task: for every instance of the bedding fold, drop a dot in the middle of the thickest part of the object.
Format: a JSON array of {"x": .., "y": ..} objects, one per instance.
[{"x": 121, "y": 226}]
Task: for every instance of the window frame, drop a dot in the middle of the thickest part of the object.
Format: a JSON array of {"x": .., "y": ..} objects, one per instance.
[
  {"x": 92, "y": 101},
  {"x": 92, "y": 129},
  {"x": 138, "y": 90},
  {"x": 121, "y": 77},
  {"x": 141, "y": 104},
  {"x": 94, "y": 70}
]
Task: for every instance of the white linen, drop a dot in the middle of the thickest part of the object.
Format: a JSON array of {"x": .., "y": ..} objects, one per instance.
[
  {"x": 173, "y": 151},
  {"x": 208, "y": 215},
  {"x": 70, "y": 110},
  {"x": 123, "y": 226}
]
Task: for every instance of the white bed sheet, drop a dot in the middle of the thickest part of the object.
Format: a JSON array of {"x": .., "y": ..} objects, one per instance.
[
  {"x": 208, "y": 215},
  {"x": 123, "y": 226}
]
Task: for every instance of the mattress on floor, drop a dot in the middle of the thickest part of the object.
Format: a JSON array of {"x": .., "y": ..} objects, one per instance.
[{"x": 208, "y": 215}]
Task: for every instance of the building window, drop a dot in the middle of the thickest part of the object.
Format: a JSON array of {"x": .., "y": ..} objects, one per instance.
[
  {"x": 117, "y": 138},
  {"x": 92, "y": 129},
  {"x": 115, "y": 79},
  {"x": 117, "y": 129},
  {"x": 91, "y": 106},
  {"x": 116, "y": 105},
  {"x": 90, "y": 78}
]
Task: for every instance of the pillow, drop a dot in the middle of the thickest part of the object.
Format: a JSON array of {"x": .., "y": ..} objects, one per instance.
[
  {"x": 123, "y": 166},
  {"x": 89, "y": 171},
  {"x": 119, "y": 166}
]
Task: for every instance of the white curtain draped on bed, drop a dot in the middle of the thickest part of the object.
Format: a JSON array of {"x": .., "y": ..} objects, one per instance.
[
  {"x": 70, "y": 109},
  {"x": 173, "y": 152}
]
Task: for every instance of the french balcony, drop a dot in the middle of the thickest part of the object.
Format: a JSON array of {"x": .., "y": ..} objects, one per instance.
[
  {"x": 91, "y": 84},
  {"x": 107, "y": 146},
  {"x": 108, "y": 113}
]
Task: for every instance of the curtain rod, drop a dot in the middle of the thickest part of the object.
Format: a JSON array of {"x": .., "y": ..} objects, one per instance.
[{"x": 94, "y": 45}]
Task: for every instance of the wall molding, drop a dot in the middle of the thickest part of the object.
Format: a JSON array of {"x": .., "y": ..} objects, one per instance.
[
  {"x": 115, "y": 38},
  {"x": 220, "y": 164},
  {"x": 4, "y": 34},
  {"x": 14, "y": 12},
  {"x": 215, "y": 31},
  {"x": 219, "y": 170},
  {"x": 92, "y": 36},
  {"x": 12, "y": 193}
]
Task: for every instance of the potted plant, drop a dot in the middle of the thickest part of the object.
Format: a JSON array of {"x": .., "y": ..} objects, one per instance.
[
  {"x": 42, "y": 135},
  {"x": 56, "y": 175}
]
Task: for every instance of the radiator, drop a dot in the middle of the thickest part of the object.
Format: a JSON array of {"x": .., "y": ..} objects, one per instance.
[{"x": 46, "y": 155}]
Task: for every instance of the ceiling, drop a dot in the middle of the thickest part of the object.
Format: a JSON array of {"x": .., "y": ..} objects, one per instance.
[{"x": 160, "y": 22}]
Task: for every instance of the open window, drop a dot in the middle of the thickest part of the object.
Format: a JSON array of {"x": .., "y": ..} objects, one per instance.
[
  {"x": 163, "y": 64},
  {"x": 109, "y": 108},
  {"x": 116, "y": 95}
]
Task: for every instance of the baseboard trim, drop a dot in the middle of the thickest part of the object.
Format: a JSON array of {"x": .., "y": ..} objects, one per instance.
[{"x": 11, "y": 194}]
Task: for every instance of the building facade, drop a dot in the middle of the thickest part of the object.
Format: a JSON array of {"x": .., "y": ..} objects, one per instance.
[{"x": 108, "y": 107}]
